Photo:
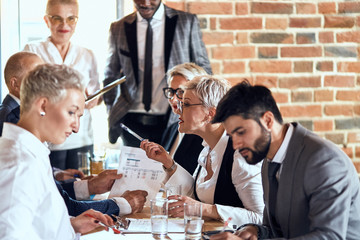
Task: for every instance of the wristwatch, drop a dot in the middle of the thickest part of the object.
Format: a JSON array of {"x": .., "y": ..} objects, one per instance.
[{"x": 170, "y": 169}]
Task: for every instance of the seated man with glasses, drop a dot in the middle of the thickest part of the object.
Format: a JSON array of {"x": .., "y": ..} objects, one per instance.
[{"x": 183, "y": 148}]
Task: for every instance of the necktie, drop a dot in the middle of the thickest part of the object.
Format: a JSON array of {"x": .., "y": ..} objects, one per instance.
[
  {"x": 273, "y": 188},
  {"x": 148, "y": 68}
]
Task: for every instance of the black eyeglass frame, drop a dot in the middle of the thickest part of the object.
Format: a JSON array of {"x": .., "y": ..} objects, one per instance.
[{"x": 172, "y": 92}]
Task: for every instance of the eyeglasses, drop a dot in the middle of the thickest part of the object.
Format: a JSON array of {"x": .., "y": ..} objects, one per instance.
[
  {"x": 56, "y": 20},
  {"x": 169, "y": 93},
  {"x": 182, "y": 105}
]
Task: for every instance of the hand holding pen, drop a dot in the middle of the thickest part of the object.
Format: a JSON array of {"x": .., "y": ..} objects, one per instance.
[
  {"x": 84, "y": 224},
  {"x": 116, "y": 231},
  {"x": 62, "y": 175},
  {"x": 131, "y": 132}
]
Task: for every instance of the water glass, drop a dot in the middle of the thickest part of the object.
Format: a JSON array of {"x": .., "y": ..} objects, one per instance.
[
  {"x": 84, "y": 162},
  {"x": 193, "y": 220},
  {"x": 159, "y": 217},
  {"x": 173, "y": 190}
]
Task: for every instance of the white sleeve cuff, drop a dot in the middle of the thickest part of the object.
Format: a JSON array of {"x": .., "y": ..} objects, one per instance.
[
  {"x": 123, "y": 205},
  {"x": 81, "y": 190}
]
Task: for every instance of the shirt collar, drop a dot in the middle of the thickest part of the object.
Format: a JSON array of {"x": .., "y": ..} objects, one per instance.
[
  {"x": 214, "y": 153},
  {"x": 15, "y": 98},
  {"x": 16, "y": 133},
  {"x": 158, "y": 15},
  {"x": 280, "y": 154}
]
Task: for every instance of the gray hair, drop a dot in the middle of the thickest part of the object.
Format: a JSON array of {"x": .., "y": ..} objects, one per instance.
[
  {"x": 51, "y": 3},
  {"x": 48, "y": 80},
  {"x": 186, "y": 70},
  {"x": 209, "y": 89}
]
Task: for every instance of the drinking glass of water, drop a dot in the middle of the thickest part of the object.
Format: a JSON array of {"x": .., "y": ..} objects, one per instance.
[
  {"x": 173, "y": 190},
  {"x": 159, "y": 217},
  {"x": 193, "y": 220}
]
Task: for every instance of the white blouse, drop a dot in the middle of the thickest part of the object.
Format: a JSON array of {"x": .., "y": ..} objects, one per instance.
[
  {"x": 82, "y": 60},
  {"x": 31, "y": 206},
  {"x": 245, "y": 177}
]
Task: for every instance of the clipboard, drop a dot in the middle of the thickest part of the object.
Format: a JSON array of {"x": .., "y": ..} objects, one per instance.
[{"x": 106, "y": 88}]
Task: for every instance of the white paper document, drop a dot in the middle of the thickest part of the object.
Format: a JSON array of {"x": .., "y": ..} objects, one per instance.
[
  {"x": 139, "y": 173},
  {"x": 175, "y": 225}
]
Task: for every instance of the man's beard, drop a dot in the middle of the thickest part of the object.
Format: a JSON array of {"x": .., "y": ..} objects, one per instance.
[{"x": 262, "y": 146}]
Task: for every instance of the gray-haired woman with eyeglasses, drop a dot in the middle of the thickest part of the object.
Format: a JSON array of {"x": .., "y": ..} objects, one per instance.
[
  {"x": 183, "y": 148},
  {"x": 61, "y": 18},
  {"x": 223, "y": 181}
]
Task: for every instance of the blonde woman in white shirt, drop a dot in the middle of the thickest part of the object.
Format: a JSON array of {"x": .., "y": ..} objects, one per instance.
[
  {"x": 52, "y": 101},
  {"x": 223, "y": 181},
  {"x": 61, "y": 19}
]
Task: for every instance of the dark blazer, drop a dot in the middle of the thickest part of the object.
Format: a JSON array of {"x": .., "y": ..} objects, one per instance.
[
  {"x": 9, "y": 111},
  {"x": 318, "y": 192},
  {"x": 188, "y": 150},
  {"x": 76, "y": 207},
  {"x": 183, "y": 43}
]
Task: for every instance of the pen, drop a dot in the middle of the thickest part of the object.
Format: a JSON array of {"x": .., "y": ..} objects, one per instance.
[
  {"x": 102, "y": 224},
  {"x": 68, "y": 173},
  {"x": 226, "y": 223},
  {"x": 131, "y": 132}
]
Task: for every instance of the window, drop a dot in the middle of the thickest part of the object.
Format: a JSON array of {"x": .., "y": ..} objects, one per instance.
[{"x": 22, "y": 21}]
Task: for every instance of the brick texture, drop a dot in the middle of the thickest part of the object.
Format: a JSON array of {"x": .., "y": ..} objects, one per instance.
[{"x": 306, "y": 52}]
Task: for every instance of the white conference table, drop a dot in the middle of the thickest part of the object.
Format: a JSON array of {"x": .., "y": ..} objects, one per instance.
[{"x": 100, "y": 233}]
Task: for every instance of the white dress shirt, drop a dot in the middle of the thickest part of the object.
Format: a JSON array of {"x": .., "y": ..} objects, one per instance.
[
  {"x": 245, "y": 177},
  {"x": 31, "y": 206},
  {"x": 82, "y": 60},
  {"x": 281, "y": 152},
  {"x": 158, "y": 104}
]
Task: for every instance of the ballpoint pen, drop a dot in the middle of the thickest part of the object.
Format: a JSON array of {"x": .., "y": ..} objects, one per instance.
[
  {"x": 131, "y": 132},
  {"x": 102, "y": 224},
  {"x": 226, "y": 223}
]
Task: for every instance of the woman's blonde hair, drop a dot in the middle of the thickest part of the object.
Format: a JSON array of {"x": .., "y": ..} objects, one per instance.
[
  {"x": 186, "y": 70},
  {"x": 51, "y": 3},
  {"x": 48, "y": 80},
  {"x": 209, "y": 89}
]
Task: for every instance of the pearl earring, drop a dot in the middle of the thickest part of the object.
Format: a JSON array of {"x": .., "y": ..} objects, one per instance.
[{"x": 42, "y": 114}]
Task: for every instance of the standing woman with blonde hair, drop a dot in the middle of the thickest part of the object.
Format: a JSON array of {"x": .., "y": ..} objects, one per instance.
[
  {"x": 61, "y": 18},
  {"x": 52, "y": 101}
]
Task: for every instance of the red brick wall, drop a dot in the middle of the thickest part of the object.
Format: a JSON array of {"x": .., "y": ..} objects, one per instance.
[{"x": 307, "y": 52}]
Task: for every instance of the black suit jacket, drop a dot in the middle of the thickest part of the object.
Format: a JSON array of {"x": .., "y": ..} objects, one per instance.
[
  {"x": 9, "y": 111},
  {"x": 187, "y": 152}
]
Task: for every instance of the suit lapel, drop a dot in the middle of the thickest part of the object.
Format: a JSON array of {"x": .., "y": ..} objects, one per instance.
[
  {"x": 130, "y": 32},
  {"x": 170, "y": 25},
  {"x": 288, "y": 185}
]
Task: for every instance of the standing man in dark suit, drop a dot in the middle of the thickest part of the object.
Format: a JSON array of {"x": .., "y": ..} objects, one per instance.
[
  {"x": 143, "y": 46},
  {"x": 18, "y": 65},
  {"x": 311, "y": 187}
]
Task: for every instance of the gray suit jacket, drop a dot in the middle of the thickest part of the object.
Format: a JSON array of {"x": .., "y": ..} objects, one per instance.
[
  {"x": 319, "y": 191},
  {"x": 183, "y": 43}
]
